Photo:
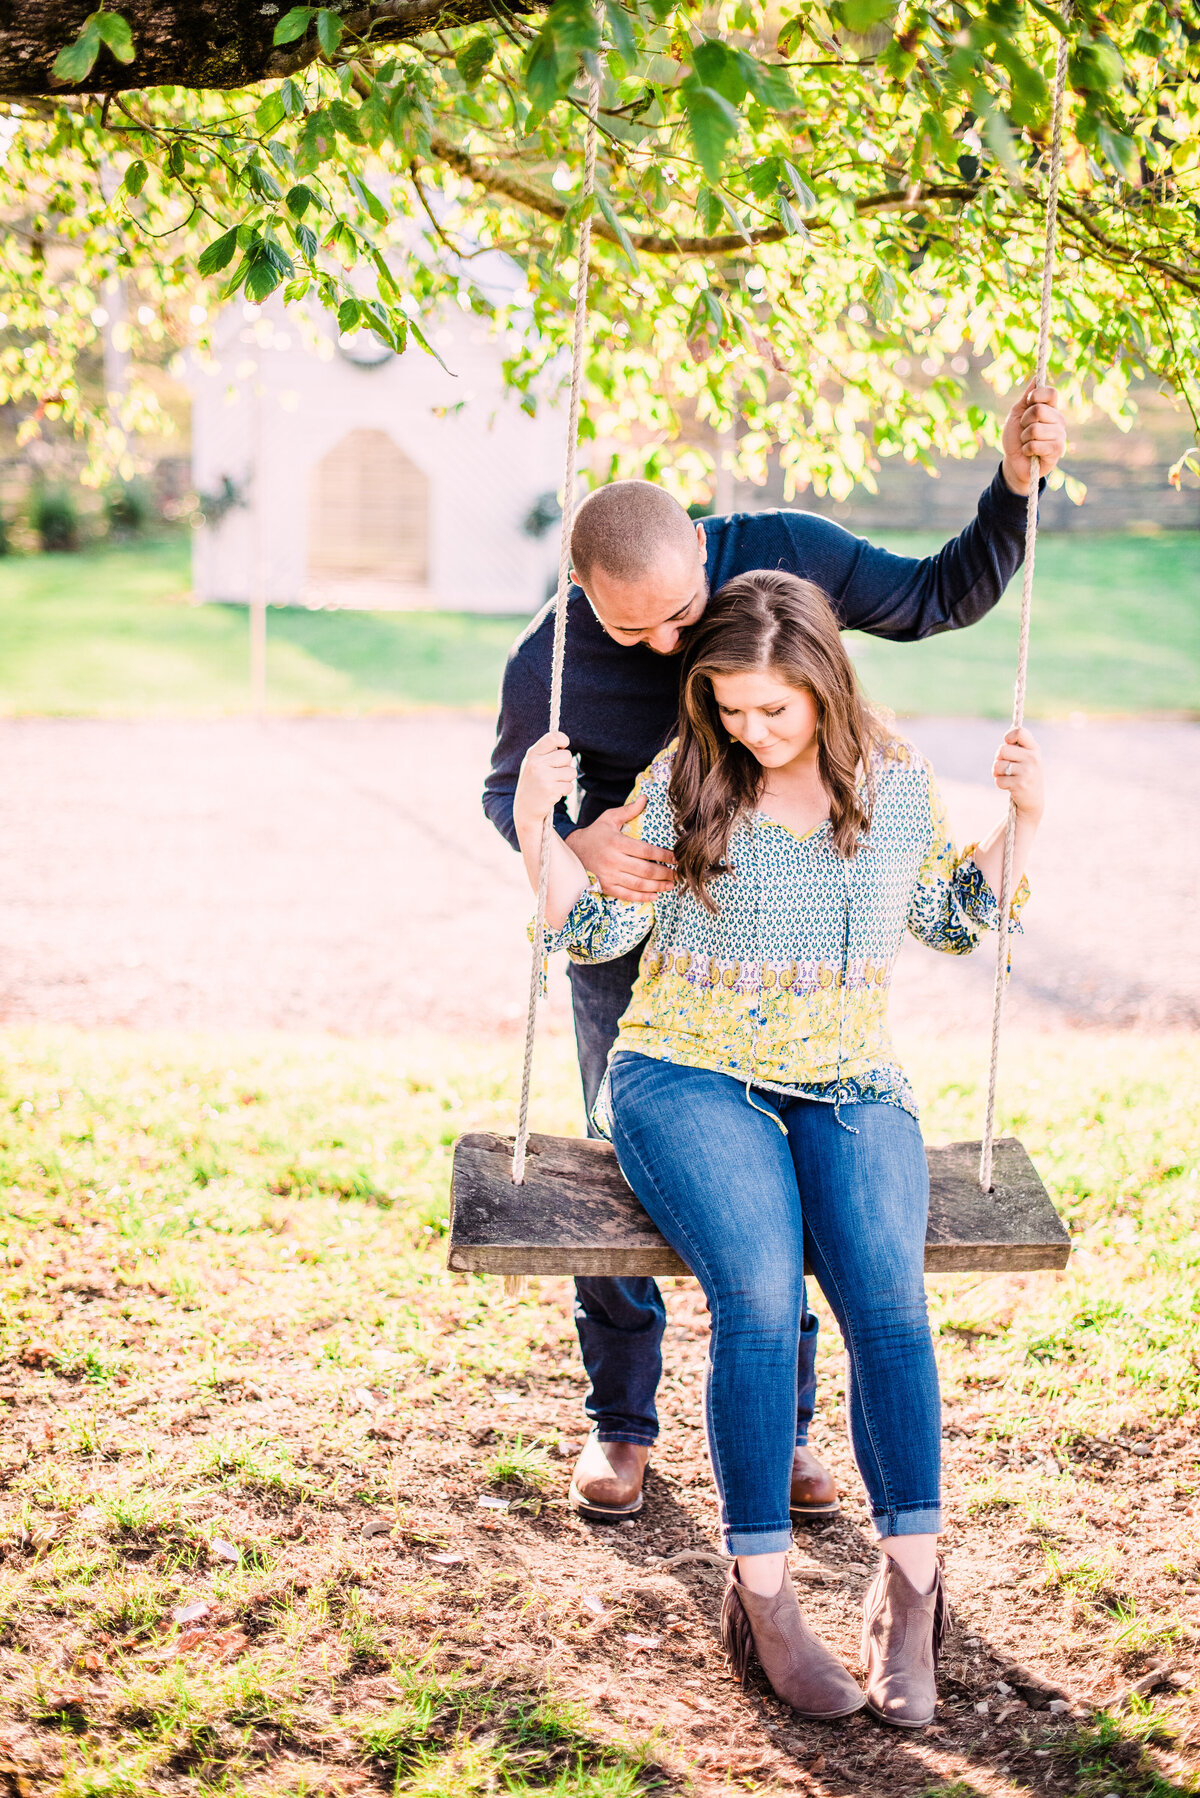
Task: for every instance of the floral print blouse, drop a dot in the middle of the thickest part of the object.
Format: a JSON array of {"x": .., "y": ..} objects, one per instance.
[{"x": 786, "y": 986}]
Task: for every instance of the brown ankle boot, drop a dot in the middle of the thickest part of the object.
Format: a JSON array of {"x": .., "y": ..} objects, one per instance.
[
  {"x": 799, "y": 1667},
  {"x": 902, "y": 1639},
  {"x": 606, "y": 1486},
  {"x": 814, "y": 1490}
]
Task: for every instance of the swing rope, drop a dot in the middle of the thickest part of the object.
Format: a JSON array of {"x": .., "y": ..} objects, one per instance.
[
  {"x": 1018, "y": 713},
  {"x": 558, "y": 654}
]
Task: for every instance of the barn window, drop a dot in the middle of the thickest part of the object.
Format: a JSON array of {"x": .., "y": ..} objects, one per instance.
[{"x": 369, "y": 512}]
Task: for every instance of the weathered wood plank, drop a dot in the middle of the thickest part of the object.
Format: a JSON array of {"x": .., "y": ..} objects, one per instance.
[{"x": 575, "y": 1213}]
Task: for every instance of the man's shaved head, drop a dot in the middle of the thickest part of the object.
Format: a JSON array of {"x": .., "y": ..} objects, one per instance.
[{"x": 627, "y": 529}]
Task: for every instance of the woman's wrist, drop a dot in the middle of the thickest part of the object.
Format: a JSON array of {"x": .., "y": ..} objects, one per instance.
[{"x": 529, "y": 822}]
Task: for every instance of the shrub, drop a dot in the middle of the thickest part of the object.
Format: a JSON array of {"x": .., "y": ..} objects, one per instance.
[
  {"x": 128, "y": 507},
  {"x": 54, "y": 518}
]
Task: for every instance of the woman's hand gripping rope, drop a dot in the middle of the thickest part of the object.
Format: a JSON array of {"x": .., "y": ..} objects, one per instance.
[
  {"x": 548, "y": 775},
  {"x": 1017, "y": 771}
]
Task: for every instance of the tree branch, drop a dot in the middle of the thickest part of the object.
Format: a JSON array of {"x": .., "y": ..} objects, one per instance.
[
  {"x": 535, "y": 198},
  {"x": 202, "y": 44}
]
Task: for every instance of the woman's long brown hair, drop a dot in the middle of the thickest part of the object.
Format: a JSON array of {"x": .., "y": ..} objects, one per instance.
[{"x": 764, "y": 620}]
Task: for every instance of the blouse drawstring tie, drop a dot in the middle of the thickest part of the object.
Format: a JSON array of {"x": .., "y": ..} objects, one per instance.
[{"x": 840, "y": 1096}]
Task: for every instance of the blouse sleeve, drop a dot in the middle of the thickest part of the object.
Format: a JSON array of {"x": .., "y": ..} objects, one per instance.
[
  {"x": 598, "y": 928},
  {"x": 952, "y": 904}
]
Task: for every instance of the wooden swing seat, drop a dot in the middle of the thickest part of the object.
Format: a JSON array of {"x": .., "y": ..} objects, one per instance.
[{"x": 576, "y": 1214}]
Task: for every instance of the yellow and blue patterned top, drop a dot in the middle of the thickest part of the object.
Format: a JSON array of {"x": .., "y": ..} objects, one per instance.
[{"x": 786, "y": 986}]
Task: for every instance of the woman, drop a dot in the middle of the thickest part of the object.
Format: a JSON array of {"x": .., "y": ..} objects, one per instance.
[{"x": 754, "y": 1101}]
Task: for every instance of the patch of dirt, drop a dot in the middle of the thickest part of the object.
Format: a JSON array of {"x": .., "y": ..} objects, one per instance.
[
  {"x": 338, "y": 874},
  {"x": 511, "y": 1603}
]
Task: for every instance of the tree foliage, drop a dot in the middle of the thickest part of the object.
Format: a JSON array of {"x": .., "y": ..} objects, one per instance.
[{"x": 804, "y": 222}]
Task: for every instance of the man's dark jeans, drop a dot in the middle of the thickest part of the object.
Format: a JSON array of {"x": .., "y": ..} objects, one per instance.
[{"x": 621, "y": 1319}]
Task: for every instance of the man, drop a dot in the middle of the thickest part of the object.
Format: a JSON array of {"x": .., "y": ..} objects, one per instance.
[{"x": 644, "y": 574}]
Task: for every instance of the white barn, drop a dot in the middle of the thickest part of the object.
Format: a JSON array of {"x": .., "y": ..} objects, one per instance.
[{"x": 355, "y": 477}]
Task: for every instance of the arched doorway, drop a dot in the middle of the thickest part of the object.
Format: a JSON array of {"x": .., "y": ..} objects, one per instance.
[{"x": 368, "y": 514}]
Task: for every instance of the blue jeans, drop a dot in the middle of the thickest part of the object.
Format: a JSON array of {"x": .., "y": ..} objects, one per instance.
[
  {"x": 620, "y": 1320},
  {"x": 742, "y": 1200}
]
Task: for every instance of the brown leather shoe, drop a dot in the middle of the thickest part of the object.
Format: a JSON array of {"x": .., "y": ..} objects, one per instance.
[
  {"x": 607, "y": 1483},
  {"x": 799, "y": 1667},
  {"x": 903, "y": 1631},
  {"x": 814, "y": 1489}
]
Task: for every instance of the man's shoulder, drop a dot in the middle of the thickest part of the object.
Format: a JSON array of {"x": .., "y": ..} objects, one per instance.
[
  {"x": 743, "y": 541},
  {"x": 533, "y": 649}
]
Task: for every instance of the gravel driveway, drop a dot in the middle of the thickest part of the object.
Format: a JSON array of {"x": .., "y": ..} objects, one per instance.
[{"x": 338, "y": 875}]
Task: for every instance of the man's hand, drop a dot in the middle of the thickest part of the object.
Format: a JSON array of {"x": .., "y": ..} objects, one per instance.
[
  {"x": 1034, "y": 427},
  {"x": 626, "y": 869}
]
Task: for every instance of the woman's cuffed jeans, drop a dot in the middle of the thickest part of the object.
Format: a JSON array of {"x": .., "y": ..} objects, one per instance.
[{"x": 742, "y": 1200}]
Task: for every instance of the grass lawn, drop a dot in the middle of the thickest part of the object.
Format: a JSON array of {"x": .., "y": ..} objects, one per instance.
[
  {"x": 109, "y": 631},
  {"x": 281, "y": 1500}
]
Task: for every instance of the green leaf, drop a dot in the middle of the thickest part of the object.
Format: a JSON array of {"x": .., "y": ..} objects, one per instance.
[
  {"x": 306, "y": 240},
  {"x": 270, "y": 112},
  {"x": 712, "y": 123},
  {"x": 292, "y": 95},
  {"x": 135, "y": 178},
  {"x": 770, "y": 86},
  {"x": 75, "y": 62},
  {"x": 412, "y": 325},
  {"x": 620, "y": 27},
  {"x": 387, "y": 280},
  {"x": 719, "y": 68},
  {"x": 610, "y": 213},
  {"x": 1095, "y": 66},
  {"x": 861, "y": 16},
  {"x": 261, "y": 181},
  {"x": 576, "y": 25},
  {"x": 735, "y": 218},
  {"x": 114, "y": 30},
  {"x": 372, "y": 202},
  {"x": 176, "y": 159},
  {"x": 473, "y": 58},
  {"x": 791, "y": 35},
  {"x": 788, "y": 217},
  {"x": 1051, "y": 16},
  {"x": 879, "y": 291},
  {"x": 762, "y": 178},
  {"x": 999, "y": 140},
  {"x": 709, "y": 210},
  {"x": 299, "y": 199},
  {"x": 329, "y": 31},
  {"x": 1121, "y": 151},
  {"x": 266, "y": 265},
  {"x": 349, "y": 315},
  {"x": 219, "y": 254},
  {"x": 293, "y": 25},
  {"x": 317, "y": 141},
  {"x": 547, "y": 73},
  {"x": 345, "y": 118},
  {"x": 806, "y": 199}
]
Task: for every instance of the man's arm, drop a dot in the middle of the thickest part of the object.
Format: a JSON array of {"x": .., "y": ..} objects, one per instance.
[
  {"x": 626, "y": 868},
  {"x": 907, "y": 598},
  {"x": 524, "y": 712}
]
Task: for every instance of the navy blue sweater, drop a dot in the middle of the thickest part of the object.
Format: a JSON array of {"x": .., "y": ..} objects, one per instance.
[{"x": 620, "y": 702}]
